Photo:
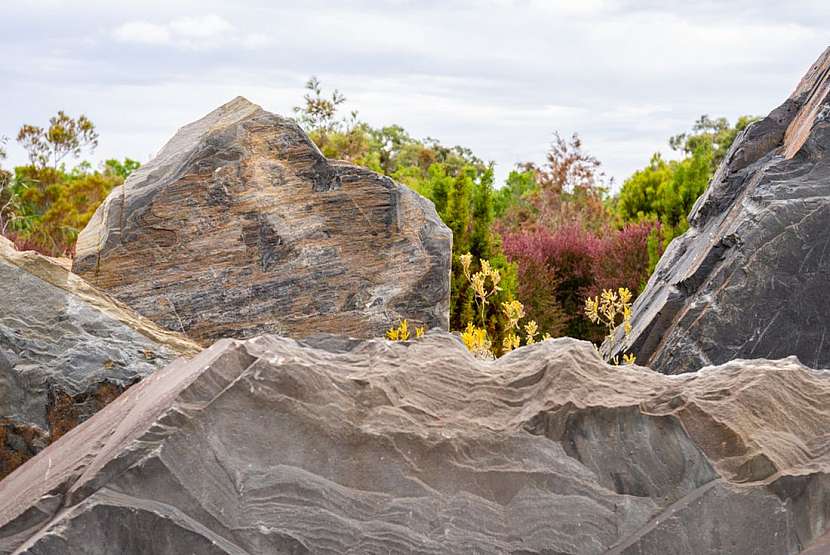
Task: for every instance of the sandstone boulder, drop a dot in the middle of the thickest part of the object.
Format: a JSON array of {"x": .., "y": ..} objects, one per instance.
[
  {"x": 750, "y": 277},
  {"x": 332, "y": 445},
  {"x": 65, "y": 351},
  {"x": 240, "y": 226}
]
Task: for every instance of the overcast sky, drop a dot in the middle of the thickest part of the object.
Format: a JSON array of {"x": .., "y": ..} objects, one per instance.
[{"x": 497, "y": 76}]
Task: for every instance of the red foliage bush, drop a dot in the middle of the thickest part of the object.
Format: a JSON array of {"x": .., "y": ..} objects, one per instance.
[
  {"x": 623, "y": 259},
  {"x": 559, "y": 269}
]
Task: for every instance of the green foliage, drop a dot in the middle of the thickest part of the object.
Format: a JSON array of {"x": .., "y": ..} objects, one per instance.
[
  {"x": 458, "y": 183},
  {"x": 53, "y": 206},
  {"x": 567, "y": 189},
  {"x": 319, "y": 112},
  {"x": 665, "y": 191},
  {"x": 7, "y": 199},
  {"x": 465, "y": 203},
  {"x": 43, "y": 206},
  {"x": 120, "y": 169},
  {"x": 517, "y": 190},
  {"x": 716, "y": 133}
]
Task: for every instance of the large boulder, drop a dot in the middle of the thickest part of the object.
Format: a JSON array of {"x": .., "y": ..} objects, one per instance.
[
  {"x": 332, "y": 445},
  {"x": 66, "y": 350},
  {"x": 750, "y": 277},
  {"x": 240, "y": 226}
]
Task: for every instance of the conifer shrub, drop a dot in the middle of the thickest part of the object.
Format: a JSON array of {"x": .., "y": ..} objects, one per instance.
[{"x": 52, "y": 206}]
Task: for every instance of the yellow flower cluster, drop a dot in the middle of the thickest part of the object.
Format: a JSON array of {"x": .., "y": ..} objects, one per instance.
[
  {"x": 479, "y": 281},
  {"x": 606, "y": 309},
  {"x": 532, "y": 330},
  {"x": 610, "y": 304},
  {"x": 476, "y": 341},
  {"x": 475, "y": 338},
  {"x": 401, "y": 333},
  {"x": 515, "y": 311}
]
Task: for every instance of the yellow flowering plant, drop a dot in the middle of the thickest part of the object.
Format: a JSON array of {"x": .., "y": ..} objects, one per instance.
[
  {"x": 482, "y": 290},
  {"x": 609, "y": 307},
  {"x": 485, "y": 284},
  {"x": 477, "y": 342},
  {"x": 401, "y": 333}
]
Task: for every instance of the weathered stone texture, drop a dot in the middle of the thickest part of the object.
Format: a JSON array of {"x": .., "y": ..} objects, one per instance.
[
  {"x": 333, "y": 445},
  {"x": 240, "y": 226},
  {"x": 66, "y": 350},
  {"x": 750, "y": 277}
]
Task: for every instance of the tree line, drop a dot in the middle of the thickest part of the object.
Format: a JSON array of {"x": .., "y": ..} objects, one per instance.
[{"x": 554, "y": 232}]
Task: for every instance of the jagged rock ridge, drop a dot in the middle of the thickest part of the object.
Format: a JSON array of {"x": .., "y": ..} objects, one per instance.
[
  {"x": 66, "y": 350},
  {"x": 749, "y": 279},
  {"x": 240, "y": 226},
  {"x": 334, "y": 445}
]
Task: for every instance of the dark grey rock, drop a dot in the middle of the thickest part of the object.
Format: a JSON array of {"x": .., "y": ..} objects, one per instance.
[
  {"x": 750, "y": 277},
  {"x": 65, "y": 351},
  {"x": 334, "y": 446},
  {"x": 240, "y": 226}
]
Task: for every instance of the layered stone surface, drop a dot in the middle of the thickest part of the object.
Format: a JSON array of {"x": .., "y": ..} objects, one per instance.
[
  {"x": 333, "y": 445},
  {"x": 749, "y": 279},
  {"x": 240, "y": 226},
  {"x": 66, "y": 350}
]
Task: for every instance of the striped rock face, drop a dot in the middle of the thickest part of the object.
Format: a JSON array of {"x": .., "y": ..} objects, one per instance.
[
  {"x": 332, "y": 445},
  {"x": 240, "y": 226},
  {"x": 750, "y": 277}
]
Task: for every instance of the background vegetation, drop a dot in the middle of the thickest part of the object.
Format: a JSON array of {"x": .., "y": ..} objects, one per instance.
[
  {"x": 554, "y": 232},
  {"x": 44, "y": 205}
]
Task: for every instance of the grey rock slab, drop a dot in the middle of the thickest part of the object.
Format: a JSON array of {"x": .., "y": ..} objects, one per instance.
[
  {"x": 65, "y": 350},
  {"x": 749, "y": 279},
  {"x": 331, "y": 445}
]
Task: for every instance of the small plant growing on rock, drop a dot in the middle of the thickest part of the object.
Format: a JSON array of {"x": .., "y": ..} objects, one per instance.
[
  {"x": 401, "y": 333},
  {"x": 606, "y": 309}
]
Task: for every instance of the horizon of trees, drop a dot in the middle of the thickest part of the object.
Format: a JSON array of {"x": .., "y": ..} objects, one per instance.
[{"x": 554, "y": 230}]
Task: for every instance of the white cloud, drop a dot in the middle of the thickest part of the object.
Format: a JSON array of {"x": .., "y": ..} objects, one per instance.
[
  {"x": 256, "y": 40},
  {"x": 142, "y": 32},
  {"x": 205, "y": 32},
  {"x": 206, "y": 27},
  {"x": 498, "y": 76}
]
